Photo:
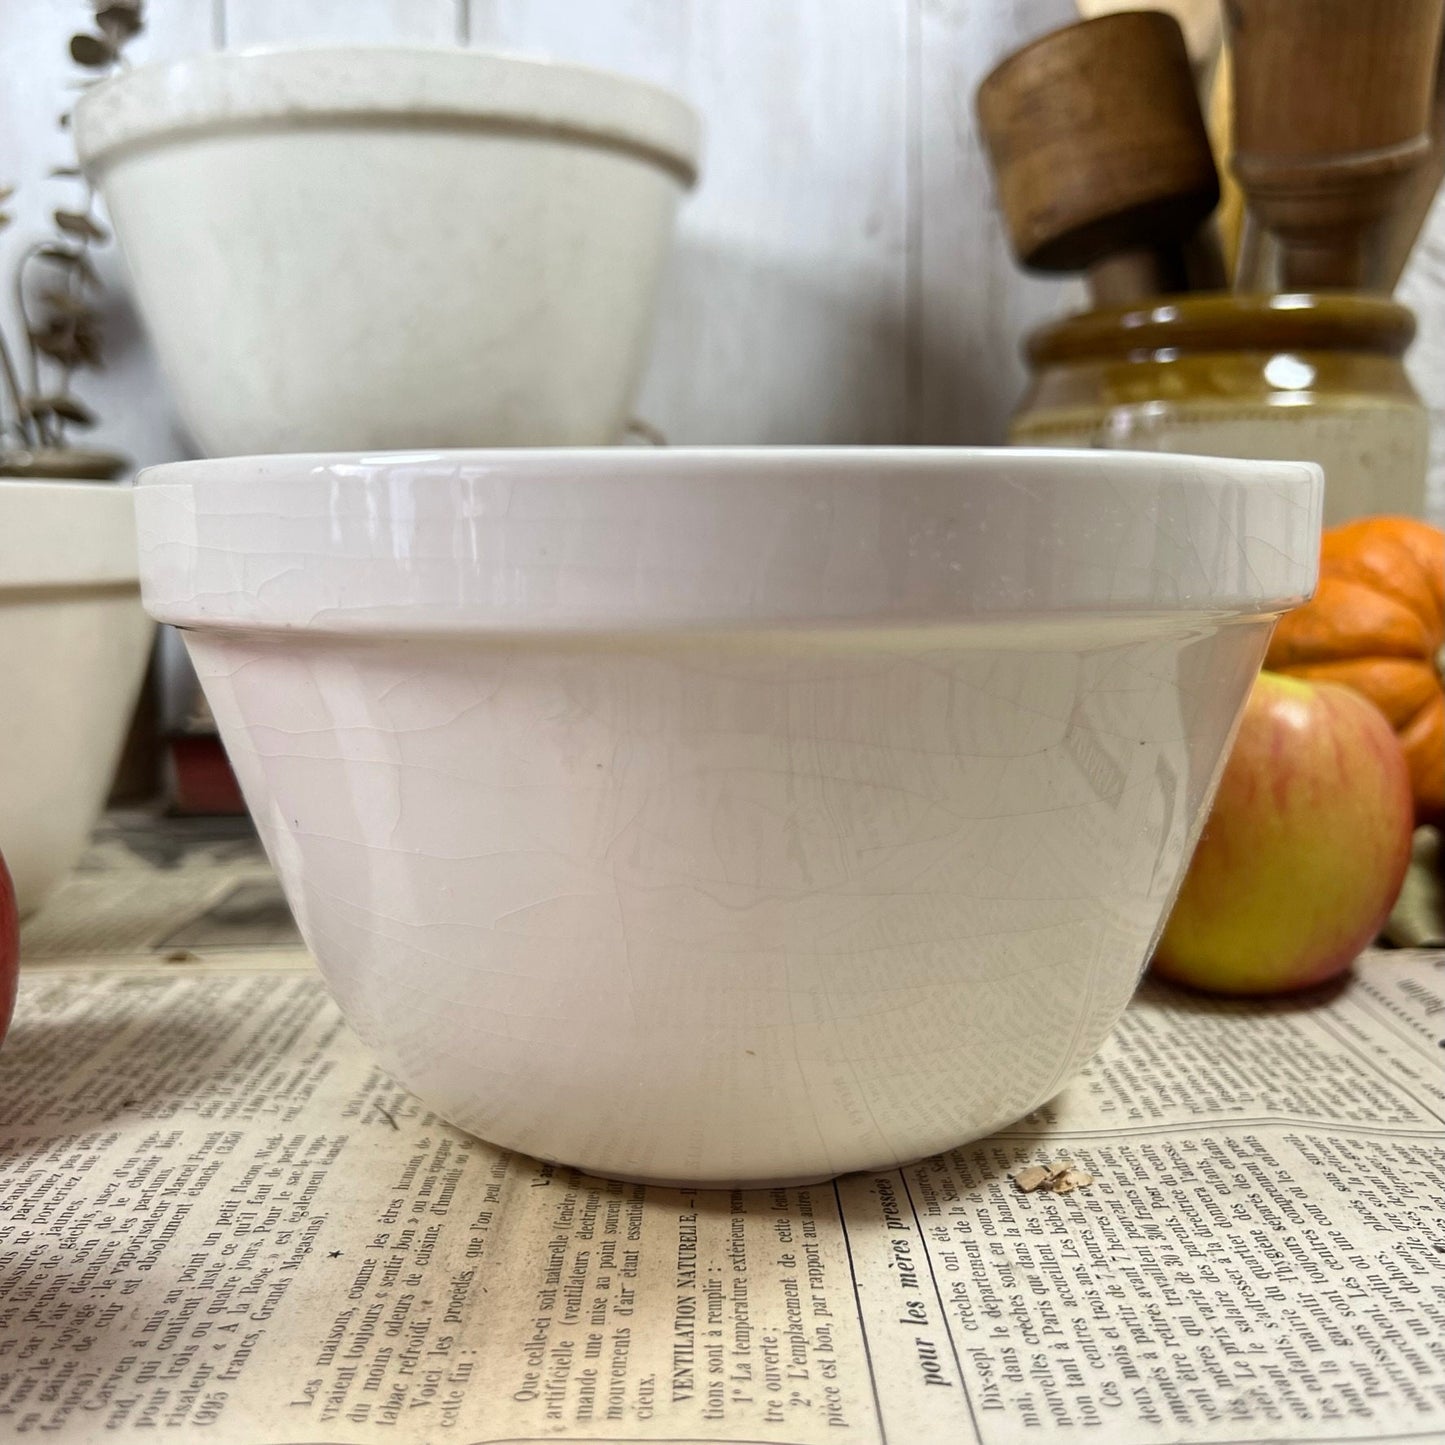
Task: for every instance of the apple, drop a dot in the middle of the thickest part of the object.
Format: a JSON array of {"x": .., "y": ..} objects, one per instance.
[
  {"x": 1304, "y": 852},
  {"x": 9, "y": 949}
]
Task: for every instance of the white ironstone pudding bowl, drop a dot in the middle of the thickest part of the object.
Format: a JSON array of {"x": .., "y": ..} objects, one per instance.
[{"x": 729, "y": 817}]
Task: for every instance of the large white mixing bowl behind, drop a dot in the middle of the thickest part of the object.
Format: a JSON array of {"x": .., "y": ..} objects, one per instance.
[
  {"x": 729, "y": 817},
  {"x": 383, "y": 246}
]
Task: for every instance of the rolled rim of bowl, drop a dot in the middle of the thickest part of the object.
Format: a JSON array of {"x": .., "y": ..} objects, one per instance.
[
  {"x": 589, "y": 541},
  {"x": 383, "y": 86},
  {"x": 67, "y": 534}
]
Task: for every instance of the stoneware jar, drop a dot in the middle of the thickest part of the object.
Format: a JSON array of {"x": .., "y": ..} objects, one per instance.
[{"x": 1310, "y": 377}]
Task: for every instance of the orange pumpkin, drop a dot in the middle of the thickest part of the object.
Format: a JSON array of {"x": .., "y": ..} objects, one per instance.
[{"x": 1377, "y": 624}]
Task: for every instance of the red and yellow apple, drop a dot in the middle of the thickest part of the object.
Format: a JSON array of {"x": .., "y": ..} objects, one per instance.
[
  {"x": 1303, "y": 855},
  {"x": 9, "y": 949}
]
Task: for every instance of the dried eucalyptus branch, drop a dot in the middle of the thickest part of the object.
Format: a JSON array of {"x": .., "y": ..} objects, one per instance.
[{"x": 54, "y": 279}]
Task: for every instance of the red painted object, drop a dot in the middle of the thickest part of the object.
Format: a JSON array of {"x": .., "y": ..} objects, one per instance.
[
  {"x": 201, "y": 779},
  {"x": 9, "y": 949}
]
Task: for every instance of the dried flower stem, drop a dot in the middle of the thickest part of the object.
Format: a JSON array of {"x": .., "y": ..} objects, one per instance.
[
  {"x": 34, "y": 422},
  {"x": 64, "y": 334},
  {"x": 15, "y": 394}
]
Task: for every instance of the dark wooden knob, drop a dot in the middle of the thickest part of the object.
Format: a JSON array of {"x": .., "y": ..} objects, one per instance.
[
  {"x": 1332, "y": 103},
  {"x": 1097, "y": 142}
]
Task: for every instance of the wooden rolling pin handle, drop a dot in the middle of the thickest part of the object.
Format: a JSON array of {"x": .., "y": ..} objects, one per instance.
[
  {"x": 1330, "y": 263},
  {"x": 1333, "y": 216},
  {"x": 1332, "y": 106}
]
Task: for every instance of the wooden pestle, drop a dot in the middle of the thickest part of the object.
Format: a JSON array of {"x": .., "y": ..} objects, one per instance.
[
  {"x": 1332, "y": 104},
  {"x": 1101, "y": 157}
]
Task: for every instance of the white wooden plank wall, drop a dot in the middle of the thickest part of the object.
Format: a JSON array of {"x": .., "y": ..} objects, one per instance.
[
  {"x": 840, "y": 274},
  {"x": 973, "y": 306},
  {"x": 784, "y": 317},
  {"x": 1423, "y": 288}
]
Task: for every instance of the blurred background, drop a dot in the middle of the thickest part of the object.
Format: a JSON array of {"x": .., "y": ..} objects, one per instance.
[{"x": 840, "y": 274}]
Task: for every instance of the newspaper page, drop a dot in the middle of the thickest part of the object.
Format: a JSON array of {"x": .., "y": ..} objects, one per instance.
[{"x": 219, "y": 1219}]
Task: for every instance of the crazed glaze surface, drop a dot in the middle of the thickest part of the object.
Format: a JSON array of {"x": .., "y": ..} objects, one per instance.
[
  {"x": 832, "y": 834},
  {"x": 376, "y": 246}
]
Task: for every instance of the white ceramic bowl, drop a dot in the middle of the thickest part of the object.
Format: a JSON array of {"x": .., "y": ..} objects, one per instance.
[
  {"x": 74, "y": 641},
  {"x": 729, "y": 817},
  {"x": 391, "y": 247}
]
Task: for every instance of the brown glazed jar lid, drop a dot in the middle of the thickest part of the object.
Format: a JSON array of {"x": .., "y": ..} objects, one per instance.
[{"x": 1223, "y": 321}]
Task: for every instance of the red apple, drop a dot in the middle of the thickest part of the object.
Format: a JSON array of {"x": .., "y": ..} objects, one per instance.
[
  {"x": 1305, "y": 850},
  {"x": 9, "y": 949}
]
